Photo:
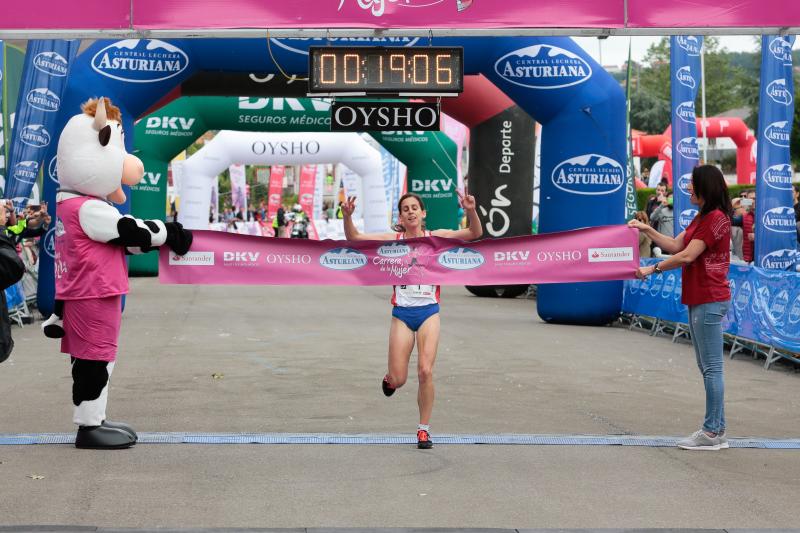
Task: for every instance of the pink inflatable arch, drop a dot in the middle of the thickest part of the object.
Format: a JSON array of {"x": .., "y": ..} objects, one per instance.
[{"x": 734, "y": 128}]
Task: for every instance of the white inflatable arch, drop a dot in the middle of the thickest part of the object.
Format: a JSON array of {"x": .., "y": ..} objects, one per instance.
[{"x": 230, "y": 147}]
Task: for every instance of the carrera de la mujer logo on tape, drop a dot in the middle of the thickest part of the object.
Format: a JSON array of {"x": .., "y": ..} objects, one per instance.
[
  {"x": 543, "y": 66},
  {"x": 591, "y": 174},
  {"x": 140, "y": 60},
  {"x": 343, "y": 259}
]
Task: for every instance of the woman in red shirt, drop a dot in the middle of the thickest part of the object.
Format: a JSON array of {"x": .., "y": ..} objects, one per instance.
[{"x": 703, "y": 251}]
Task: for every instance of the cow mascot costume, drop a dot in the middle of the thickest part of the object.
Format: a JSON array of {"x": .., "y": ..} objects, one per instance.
[{"x": 92, "y": 238}]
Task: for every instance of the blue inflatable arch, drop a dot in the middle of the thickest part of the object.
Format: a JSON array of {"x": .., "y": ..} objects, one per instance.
[{"x": 580, "y": 106}]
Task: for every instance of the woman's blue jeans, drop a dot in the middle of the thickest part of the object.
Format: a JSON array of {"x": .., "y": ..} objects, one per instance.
[{"x": 705, "y": 326}]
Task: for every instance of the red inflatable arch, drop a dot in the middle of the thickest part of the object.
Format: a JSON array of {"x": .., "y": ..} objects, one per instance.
[{"x": 661, "y": 145}]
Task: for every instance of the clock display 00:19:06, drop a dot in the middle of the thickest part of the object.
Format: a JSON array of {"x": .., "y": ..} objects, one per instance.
[{"x": 378, "y": 69}]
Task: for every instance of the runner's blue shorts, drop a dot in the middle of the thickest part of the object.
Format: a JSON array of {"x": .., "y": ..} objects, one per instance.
[{"x": 414, "y": 317}]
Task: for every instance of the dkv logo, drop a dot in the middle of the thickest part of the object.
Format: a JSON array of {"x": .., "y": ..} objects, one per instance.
[
  {"x": 780, "y": 259},
  {"x": 43, "y": 99},
  {"x": 780, "y": 220},
  {"x": 778, "y": 133},
  {"x": 461, "y": 259},
  {"x": 170, "y": 123},
  {"x": 140, "y": 60},
  {"x": 589, "y": 174},
  {"x": 438, "y": 185},
  {"x": 690, "y": 44},
  {"x": 779, "y": 177},
  {"x": 343, "y": 259},
  {"x": 35, "y": 135},
  {"x": 51, "y": 63},
  {"x": 395, "y": 249},
  {"x": 686, "y": 112},
  {"x": 779, "y": 93},
  {"x": 150, "y": 178},
  {"x": 685, "y": 78},
  {"x": 543, "y": 66}
]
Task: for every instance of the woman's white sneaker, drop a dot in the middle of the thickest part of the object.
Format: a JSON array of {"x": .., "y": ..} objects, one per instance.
[{"x": 700, "y": 441}]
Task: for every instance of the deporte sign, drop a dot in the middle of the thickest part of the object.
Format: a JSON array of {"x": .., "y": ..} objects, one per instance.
[{"x": 384, "y": 116}]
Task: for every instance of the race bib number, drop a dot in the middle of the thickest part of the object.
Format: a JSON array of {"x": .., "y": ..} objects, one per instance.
[{"x": 417, "y": 291}]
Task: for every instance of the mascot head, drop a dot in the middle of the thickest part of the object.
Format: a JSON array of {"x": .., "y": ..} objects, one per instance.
[{"x": 91, "y": 153}]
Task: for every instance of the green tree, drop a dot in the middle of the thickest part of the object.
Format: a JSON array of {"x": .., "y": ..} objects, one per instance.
[
  {"x": 649, "y": 112},
  {"x": 722, "y": 85}
]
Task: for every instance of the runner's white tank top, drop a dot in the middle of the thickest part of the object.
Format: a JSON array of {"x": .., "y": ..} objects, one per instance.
[{"x": 414, "y": 295}]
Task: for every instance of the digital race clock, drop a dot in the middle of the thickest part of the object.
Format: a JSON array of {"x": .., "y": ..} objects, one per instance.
[{"x": 432, "y": 70}]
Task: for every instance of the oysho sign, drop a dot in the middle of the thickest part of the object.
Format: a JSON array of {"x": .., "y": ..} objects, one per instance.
[
  {"x": 543, "y": 66},
  {"x": 589, "y": 174},
  {"x": 140, "y": 61},
  {"x": 384, "y": 116}
]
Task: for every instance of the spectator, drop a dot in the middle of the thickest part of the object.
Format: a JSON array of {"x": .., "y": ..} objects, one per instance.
[
  {"x": 737, "y": 234},
  {"x": 33, "y": 224},
  {"x": 663, "y": 218},
  {"x": 659, "y": 198},
  {"x": 645, "y": 242},
  {"x": 748, "y": 228},
  {"x": 702, "y": 251}
]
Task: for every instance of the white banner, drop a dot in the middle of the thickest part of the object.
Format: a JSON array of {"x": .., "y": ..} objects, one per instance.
[
  {"x": 238, "y": 189},
  {"x": 282, "y": 148}
]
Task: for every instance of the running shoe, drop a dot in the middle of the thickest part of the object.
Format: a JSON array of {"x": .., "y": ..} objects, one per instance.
[
  {"x": 388, "y": 390},
  {"x": 700, "y": 441},
  {"x": 423, "y": 440}
]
